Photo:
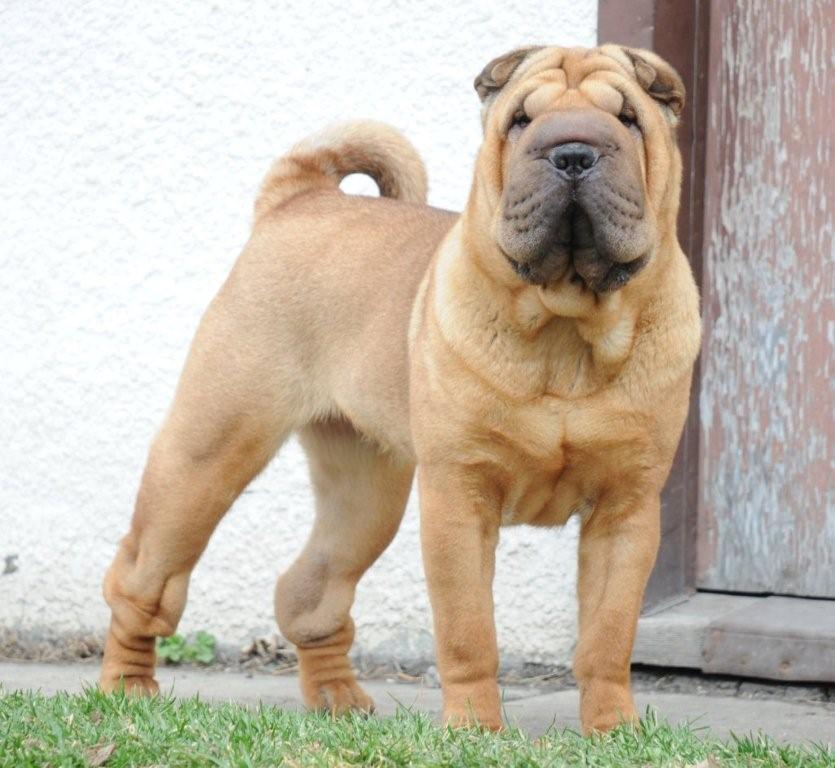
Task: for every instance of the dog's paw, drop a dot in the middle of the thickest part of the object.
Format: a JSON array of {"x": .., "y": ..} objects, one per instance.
[
  {"x": 340, "y": 697},
  {"x": 134, "y": 685},
  {"x": 474, "y": 703},
  {"x": 606, "y": 721},
  {"x": 605, "y": 706},
  {"x": 469, "y": 719}
]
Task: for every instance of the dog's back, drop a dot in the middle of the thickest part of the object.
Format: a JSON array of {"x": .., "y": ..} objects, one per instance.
[{"x": 338, "y": 275}]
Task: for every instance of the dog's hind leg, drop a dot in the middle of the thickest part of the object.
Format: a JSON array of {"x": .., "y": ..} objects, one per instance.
[
  {"x": 361, "y": 494},
  {"x": 225, "y": 424}
]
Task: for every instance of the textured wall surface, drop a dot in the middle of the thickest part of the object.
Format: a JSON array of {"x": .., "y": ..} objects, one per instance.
[{"x": 133, "y": 136}]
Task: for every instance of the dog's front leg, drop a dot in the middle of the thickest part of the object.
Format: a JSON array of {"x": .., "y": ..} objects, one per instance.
[
  {"x": 459, "y": 533},
  {"x": 617, "y": 552}
]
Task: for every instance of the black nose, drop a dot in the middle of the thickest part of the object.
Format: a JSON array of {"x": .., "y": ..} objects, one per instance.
[{"x": 573, "y": 159}]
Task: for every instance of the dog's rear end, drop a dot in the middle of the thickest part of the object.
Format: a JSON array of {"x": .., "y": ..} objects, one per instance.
[{"x": 283, "y": 348}]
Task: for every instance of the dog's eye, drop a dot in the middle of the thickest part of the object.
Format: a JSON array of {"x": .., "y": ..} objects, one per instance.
[
  {"x": 520, "y": 119},
  {"x": 628, "y": 117}
]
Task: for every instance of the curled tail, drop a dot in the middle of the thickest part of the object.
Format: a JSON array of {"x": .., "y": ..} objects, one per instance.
[{"x": 322, "y": 160}]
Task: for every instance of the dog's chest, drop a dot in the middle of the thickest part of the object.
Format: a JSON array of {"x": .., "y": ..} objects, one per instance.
[
  {"x": 544, "y": 500},
  {"x": 559, "y": 458}
]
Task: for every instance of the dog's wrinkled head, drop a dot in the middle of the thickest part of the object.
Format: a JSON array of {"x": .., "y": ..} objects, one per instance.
[{"x": 580, "y": 159}]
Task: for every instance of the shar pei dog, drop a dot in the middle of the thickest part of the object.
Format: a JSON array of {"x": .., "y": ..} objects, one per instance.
[{"x": 531, "y": 357}]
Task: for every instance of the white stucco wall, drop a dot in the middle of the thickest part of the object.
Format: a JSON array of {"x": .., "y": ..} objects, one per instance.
[{"x": 133, "y": 136}]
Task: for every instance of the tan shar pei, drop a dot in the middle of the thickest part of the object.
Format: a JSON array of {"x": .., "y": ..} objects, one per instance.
[{"x": 531, "y": 356}]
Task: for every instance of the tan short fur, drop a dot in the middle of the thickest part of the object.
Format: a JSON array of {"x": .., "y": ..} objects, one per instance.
[{"x": 388, "y": 334}]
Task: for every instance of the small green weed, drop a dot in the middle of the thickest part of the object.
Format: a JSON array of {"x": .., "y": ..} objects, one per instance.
[{"x": 177, "y": 649}]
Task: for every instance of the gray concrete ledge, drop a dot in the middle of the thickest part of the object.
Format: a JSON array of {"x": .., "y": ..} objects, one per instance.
[{"x": 775, "y": 638}]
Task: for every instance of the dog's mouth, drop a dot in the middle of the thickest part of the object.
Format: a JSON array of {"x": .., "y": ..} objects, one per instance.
[{"x": 572, "y": 250}]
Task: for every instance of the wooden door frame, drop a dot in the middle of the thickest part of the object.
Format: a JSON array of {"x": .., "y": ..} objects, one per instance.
[
  {"x": 678, "y": 30},
  {"x": 769, "y": 636}
]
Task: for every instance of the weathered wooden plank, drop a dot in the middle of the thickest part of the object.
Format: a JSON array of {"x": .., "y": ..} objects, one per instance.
[{"x": 767, "y": 497}]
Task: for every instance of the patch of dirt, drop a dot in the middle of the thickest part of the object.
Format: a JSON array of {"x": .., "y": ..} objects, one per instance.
[
  {"x": 692, "y": 681},
  {"x": 272, "y": 653},
  {"x": 45, "y": 646},
  {"x": 688, "y": 681}
]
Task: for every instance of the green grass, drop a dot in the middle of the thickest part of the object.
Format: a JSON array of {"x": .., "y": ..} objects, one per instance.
[{"x": 96, "y": 729}]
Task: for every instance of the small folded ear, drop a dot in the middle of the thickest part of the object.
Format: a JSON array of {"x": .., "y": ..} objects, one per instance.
[
  {"x": 658, "y": 79},
  {"x": 496, "y": 74}
]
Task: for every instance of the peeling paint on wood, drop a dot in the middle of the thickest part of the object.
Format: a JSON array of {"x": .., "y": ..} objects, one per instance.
[{"x": 767, "y": 503}]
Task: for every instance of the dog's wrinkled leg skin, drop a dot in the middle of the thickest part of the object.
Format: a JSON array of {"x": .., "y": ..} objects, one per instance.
[
  {"x": 220, "y": 433},
  {"x": 180, "y": 501},
  {"x": 459, "y": 534},
  {"x": 616, "y": 556},
  {"x": 361, "y": 495}
]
